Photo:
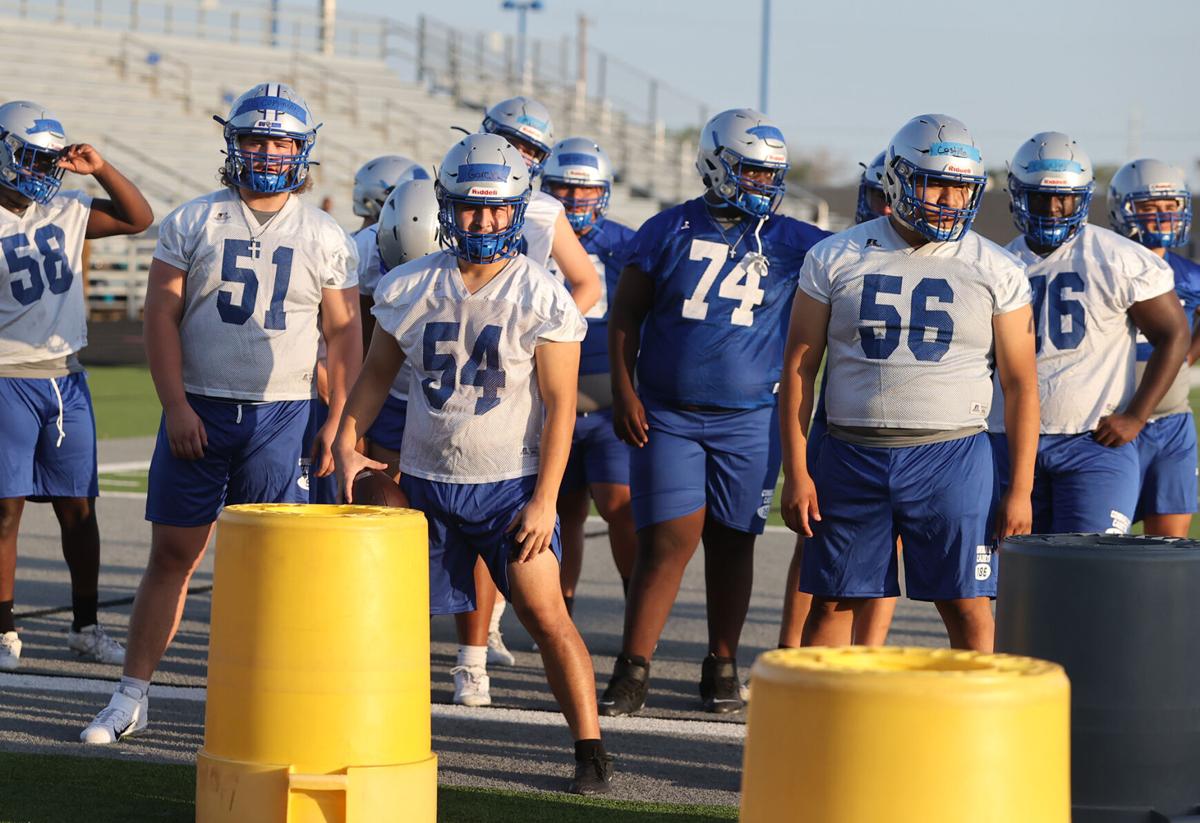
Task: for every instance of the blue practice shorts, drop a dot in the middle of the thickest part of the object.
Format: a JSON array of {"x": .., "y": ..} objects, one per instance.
[
  {"x": 466, "y": 521},
  {"x": 388, "y": 429},
  {"x": 320, "y": 489},
  {"x": 37, "y": 457},
  {"x": 1167, "y": 461},
  {"x": 725, "y": 460},
  {"x": 1078, "y": 484},
  {"x": 597, "y": 455},
  {"x": 937, "y": 497},
  {"x": 253, "y": 456}
]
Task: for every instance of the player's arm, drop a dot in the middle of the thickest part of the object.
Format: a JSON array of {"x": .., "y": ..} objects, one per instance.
[
  {"x": 1016, "y": 366},
  {"x": 365, "y": 303},
  {"x": 1194, "y": 348},
  {"x": 1162, "y": 321},
  {"x": 801, "y": 362},
  {"x": 557, "y": 371},
  {"x": 575, "y": 265},
  {"x": 633, "y": 301},
  {"x": 383, "y": 361},
  {"x": 343, "y": 342},
  {"x": 164, "y": 351},
  {"x": 125, "y": 212}
]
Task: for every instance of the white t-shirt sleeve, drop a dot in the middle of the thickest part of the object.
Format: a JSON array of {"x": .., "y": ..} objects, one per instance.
[
  {"x": 1149, "y": 276},
  {"x": 1011, "y": 288},
  {"x": 814, "y": 278},
  {"x": 174, "y": 247},
  {"x": 341, "y": 270},
  {"x": 562, "y": 321}
]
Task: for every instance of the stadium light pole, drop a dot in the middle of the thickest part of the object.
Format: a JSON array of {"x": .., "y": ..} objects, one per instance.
[
  {"x": 522, "y": 8},
  {"x": 765, "y": 68}
]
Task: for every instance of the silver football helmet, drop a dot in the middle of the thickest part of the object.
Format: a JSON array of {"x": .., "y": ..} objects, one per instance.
[
  {"x": 482, "y": 170},
  {"x": 1139, "y": 181},
  {"x": 377, "y": 178},
  {"x": 734, "y": 144},
  {"x": 933, "y": 151},
  {"x": 270, "y": 110},
  {"x": 1049, "y": 163},
  {"x": 408, "y": 224},
  {"x": 578, "y": 164},
  {"x": 528, "y": 122},
  {"x": 31, "y": 140},
  {"x": 870, "y": 180}
]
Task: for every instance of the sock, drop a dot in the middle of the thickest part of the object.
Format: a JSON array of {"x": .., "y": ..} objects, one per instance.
[
  {"x": 84, "y": 609},
  {"x": 570, "y": 605},
  {"x": 497, "y": 613},
  {"x": 474, "y": 657},
  {"x": 129, "y": 685},
  {"x": 587, "y": 749},
  {"x": 6, "y": 617}
]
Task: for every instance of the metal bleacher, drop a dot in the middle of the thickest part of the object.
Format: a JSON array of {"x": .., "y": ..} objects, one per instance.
[{"x": 141, "y": 81}]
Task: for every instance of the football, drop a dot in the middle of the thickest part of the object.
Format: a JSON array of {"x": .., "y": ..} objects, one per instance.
[{"x": 374, "y": 488}]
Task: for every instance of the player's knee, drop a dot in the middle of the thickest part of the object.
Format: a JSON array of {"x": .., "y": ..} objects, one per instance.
[
  {"x": 173, "y": 559},
  {"x": 74, "y": 512},
  {"x": 10, "y": 517},
  {"x": 613, "y": 502}
]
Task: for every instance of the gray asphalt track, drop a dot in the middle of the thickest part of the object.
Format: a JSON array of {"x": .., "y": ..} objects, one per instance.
[{"x": 689, "y": 761}]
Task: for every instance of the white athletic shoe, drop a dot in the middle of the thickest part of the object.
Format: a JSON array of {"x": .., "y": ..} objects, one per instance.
[
  {"x": 92, "y": 643},
  {"x": 124, "y": 715},
  {"x": 10, "y": 652},
  {"x": 471, "y": 686},
  {"x": 744, "y": 691},
  {"x": 497, "y": 653}
]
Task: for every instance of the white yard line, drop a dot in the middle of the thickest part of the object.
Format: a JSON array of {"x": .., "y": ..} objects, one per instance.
[
  {"x": 116, "y": 468},
  {"x": 193, "y": 694}
]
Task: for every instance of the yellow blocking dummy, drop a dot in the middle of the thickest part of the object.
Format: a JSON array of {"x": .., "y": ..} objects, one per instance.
[
  {"x": 906, "y": 735},
  {"x": 318, "y": 669}
]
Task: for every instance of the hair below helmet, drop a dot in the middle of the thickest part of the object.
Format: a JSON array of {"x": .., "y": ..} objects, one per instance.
[
  {"x": 933, "y": 151},
  {"x": 581, "y": 166},
  {"x": 1049, "y": 164},
  {"x": 482, "y": 170},
  {"x": 31, "y": 142},
  {"x": 1142, "y": 181},
  {"x": 268, "y": 110},
  {"x": 743, "y": 159}
]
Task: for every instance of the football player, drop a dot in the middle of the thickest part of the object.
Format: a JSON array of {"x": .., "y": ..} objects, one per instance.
[
  {"x": 699, "y": 313},
  {"x": 48, "y": 434},
  {"x": 1149, "y": 201},
  {"x": 579, "y": 174},
  {"x": 872, "y": 617},
  {"x": 493, "y": 341},
  {"x": 909, "y": 310},
  {"x": 236, "y": 283},
  {"x": 1091, "y": 289}
]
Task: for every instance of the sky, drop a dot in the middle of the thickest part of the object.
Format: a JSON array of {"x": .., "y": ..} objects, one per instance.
[{"x": 846, "y": 74}]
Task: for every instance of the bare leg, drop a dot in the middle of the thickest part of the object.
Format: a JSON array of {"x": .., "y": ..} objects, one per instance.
[
  {"x": 830, "y": 622},
  {"x": 613, "y": 503},
  {"x": 10, "y": 522},
  {"x": 1167, "y": 525},
  {"x": 664, "y": 550},
  {"x": 175, "y": 552},
  {"x": 537, "y": 600},
  {"x": 728, "y": 581},
  {"x": 473, "y": 626},
  {"x": 872, "y": 620},
  {"x": 969, "y": 623},
  {"x": 796, "y": 604},
  {"x": 572, "y": 513}
]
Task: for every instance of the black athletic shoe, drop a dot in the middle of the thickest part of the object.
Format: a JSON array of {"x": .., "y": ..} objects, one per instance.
[
  {"x": 626, "y": 692},
  {"x": 720, "y": 688},
  {"x": 593, "y": 776}
]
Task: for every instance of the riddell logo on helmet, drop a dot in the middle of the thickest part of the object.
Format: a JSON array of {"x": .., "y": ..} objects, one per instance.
[
  {"x": 531, "y": 131},
  {"x": 959, "y": 169},
  {"x": 478, "y": 191}
]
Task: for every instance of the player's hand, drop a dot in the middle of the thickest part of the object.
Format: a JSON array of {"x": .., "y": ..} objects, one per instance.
[
  {"x": 1117, "y": 430},
  {"x": 81, "y": 158},
  {"x": 349, "y": 462},
  {"x": 533, "y": 529},
  {"x": 798, "y": 501},
  {"x": 629, "y": 420},
  {"x": 322, "y": 449},
  {"x": 185, "y": 432},
  {"x": 1014, "y": 515}
]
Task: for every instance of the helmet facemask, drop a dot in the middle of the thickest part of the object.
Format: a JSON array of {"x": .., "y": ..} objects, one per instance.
[
  {"x": 267, "y": 172},
  {"x": 743, "y": 186},
  {"x": 1157, "y": 229},
  {"x": 584, "y": 203},
  {"x": 28, "y": 169},
  {"x": 474, "y": 246},
  {"x": 1041, "y": 228},
  {"x": 928, "y": 218}
]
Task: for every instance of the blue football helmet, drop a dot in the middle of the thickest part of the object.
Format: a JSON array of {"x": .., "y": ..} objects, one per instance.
[
  {"x": 871, "y": 180},
  {"x": 482, "y": 170},
  {"x": 579, "y": 163},
  {"x": 1049, "y": 163},
  {"x": 933, "y": 150},
  {"x": 31, "y": 141},
  {"x": 1148, "y": 179},
  {"x": 735, "y": 142},
  {"x": 270, "y": 110}
]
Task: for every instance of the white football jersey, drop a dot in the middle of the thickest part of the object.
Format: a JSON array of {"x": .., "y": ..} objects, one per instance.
[
  {"x": 42, "y": 311},
  {"x": 1085, "y": 339},
  {"x": 369, "y": 272},
  {"x": 541, "y": 215},
  {"x": 910, "y": 343},
  {"x": 249, "y": 328},
  {"x": 474, "y": 409}
]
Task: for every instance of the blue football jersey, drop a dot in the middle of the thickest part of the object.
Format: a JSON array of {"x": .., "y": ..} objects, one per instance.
[
  {"x": 606, "y": 244},
  {"x": 716, "y": 332},
  {"x": 1187, "y": 286}
]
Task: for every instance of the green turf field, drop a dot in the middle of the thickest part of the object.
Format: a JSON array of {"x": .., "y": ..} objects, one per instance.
[
  {"x": 125, "y": 402},
  {"x": 52, "y": 789}
]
